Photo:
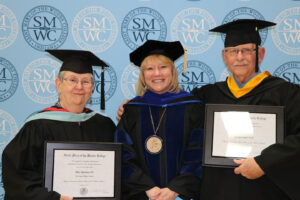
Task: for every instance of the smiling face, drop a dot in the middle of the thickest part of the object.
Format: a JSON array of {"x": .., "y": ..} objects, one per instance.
[
  {"x": 74, "y": 90},
  {"x": 242, "y": 65},
  {"x": 158, "y": 73}
]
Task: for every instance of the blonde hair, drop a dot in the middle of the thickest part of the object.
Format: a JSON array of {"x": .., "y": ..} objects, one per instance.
[{"x": 141, "y": 86}]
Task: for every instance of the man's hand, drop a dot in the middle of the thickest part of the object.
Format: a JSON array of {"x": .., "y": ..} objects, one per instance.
[
  {"x": 248, "y": 168},
  {"x": 153, "y": 193},
  {"x": 167, "y": 194},
  {"x": 121, "y": 109},
  {"x": 62, "y": 197}
]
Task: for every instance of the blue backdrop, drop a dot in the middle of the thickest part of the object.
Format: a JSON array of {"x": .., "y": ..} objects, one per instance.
[{"x": 112, "y": 29}]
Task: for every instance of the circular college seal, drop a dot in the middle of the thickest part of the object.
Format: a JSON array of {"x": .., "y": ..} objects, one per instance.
[
  {"x": 191, "y": 26},
  {"x": 289, "y": 71},
  {"x": 45, "y": 27},
  {"x": 110, "y": 84},
  {"x": 286, "y": 33},
  {"x": 129, "y": 79},
  {"x": 142, "y": 24},
  {"x": 39, "y": 80},
  {"x": 197, "y": 75},
  {"x": 9, "y": 79},
  {"x": 8, "y": 27},
  {"x": 83, "y": 191},
  {"x": 247, "y": 13},
  {"x": 8, "y": 128},
  {"x": 94, "y": 29}
]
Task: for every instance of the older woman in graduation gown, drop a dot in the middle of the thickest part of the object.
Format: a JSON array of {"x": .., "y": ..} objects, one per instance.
[
  {"x": 161, "y": 129},
  {"x": 68, "y": 120}
]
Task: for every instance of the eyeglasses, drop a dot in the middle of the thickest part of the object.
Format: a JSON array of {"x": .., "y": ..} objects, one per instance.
[
  {"x": 72, "y": 81},
  {"x": 234, "y": 52}
]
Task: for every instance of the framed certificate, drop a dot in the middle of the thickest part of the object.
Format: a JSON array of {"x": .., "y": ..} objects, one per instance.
[
  {"x": 83, "y": 170},
  {"x": 240, "y": 131}
]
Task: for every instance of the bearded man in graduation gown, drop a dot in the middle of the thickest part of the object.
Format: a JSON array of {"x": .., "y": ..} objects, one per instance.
[
  {"x": 275, "y": 173},
  {"x": 161, "y": 130},
  {"x": 68, "y": 120}
]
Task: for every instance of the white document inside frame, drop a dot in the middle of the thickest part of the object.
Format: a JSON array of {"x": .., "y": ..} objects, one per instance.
[
  {"x": 84, "y": 173},
  {"x": 242, "y": 134}
]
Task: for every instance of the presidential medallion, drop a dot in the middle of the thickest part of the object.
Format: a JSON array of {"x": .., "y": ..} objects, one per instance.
[{"x": 153, "y": 144}]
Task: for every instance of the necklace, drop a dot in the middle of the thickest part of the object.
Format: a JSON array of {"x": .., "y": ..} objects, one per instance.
[{"x": 154, "y": 143}]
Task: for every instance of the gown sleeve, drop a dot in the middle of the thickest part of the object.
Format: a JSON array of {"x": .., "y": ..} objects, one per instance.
[
  {"x": 188, "y": 182},
  {"x": 281, "y": 162},
  {"x": 22, "y": 166},
  {"x": 135, "y": 181}
]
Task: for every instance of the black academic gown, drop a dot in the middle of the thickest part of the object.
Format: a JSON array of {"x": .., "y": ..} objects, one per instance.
[
  {"x": 280, "y": 162},
  {"x": 178, "y": 165},
  {"x": 23, "y": 157}
]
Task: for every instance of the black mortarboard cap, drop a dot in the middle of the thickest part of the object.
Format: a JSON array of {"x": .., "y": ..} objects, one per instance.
[
  {"x": 243, "y": 31},
  {"x": 172, "y": 50},
  {"x": 81, "y": 62},
  {"x": 77, "y": 61}
]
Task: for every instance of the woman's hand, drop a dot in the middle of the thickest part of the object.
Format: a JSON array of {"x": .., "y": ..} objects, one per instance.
[
  {"x": 167, "y": 194},
  {"x": 153, "y": 193},
  {"x": 121, "y": 109}
]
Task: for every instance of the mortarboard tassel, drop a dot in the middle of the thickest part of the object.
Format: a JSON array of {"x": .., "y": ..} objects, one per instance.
[
  {"x": 185, "y": 61},
  {"x": 256, "y": 52},
  {"x": 102, "y": 102}
]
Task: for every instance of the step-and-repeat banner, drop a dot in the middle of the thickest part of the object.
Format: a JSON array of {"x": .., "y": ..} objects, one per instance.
[{"x": 112, "y": 29}]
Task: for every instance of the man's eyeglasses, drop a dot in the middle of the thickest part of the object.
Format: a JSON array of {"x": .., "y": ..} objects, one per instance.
[
  {"x": 72, "y": 81},
  {"x": 234, "y": 52}
]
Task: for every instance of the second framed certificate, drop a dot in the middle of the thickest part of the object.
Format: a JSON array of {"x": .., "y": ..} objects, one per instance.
[
  {"x": 240, "y": 131},
  {"x": 83, "y": 170}
]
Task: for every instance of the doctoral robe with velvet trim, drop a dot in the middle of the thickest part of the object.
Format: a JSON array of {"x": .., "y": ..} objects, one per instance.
[
  {"x": 280, "y": 162},
  {"x": 23, "y": 157},
  {"x": 178, "y": 165}
]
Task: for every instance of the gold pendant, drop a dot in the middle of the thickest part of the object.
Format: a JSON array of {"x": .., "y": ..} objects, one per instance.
[{"x": 153, "y": 144}]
